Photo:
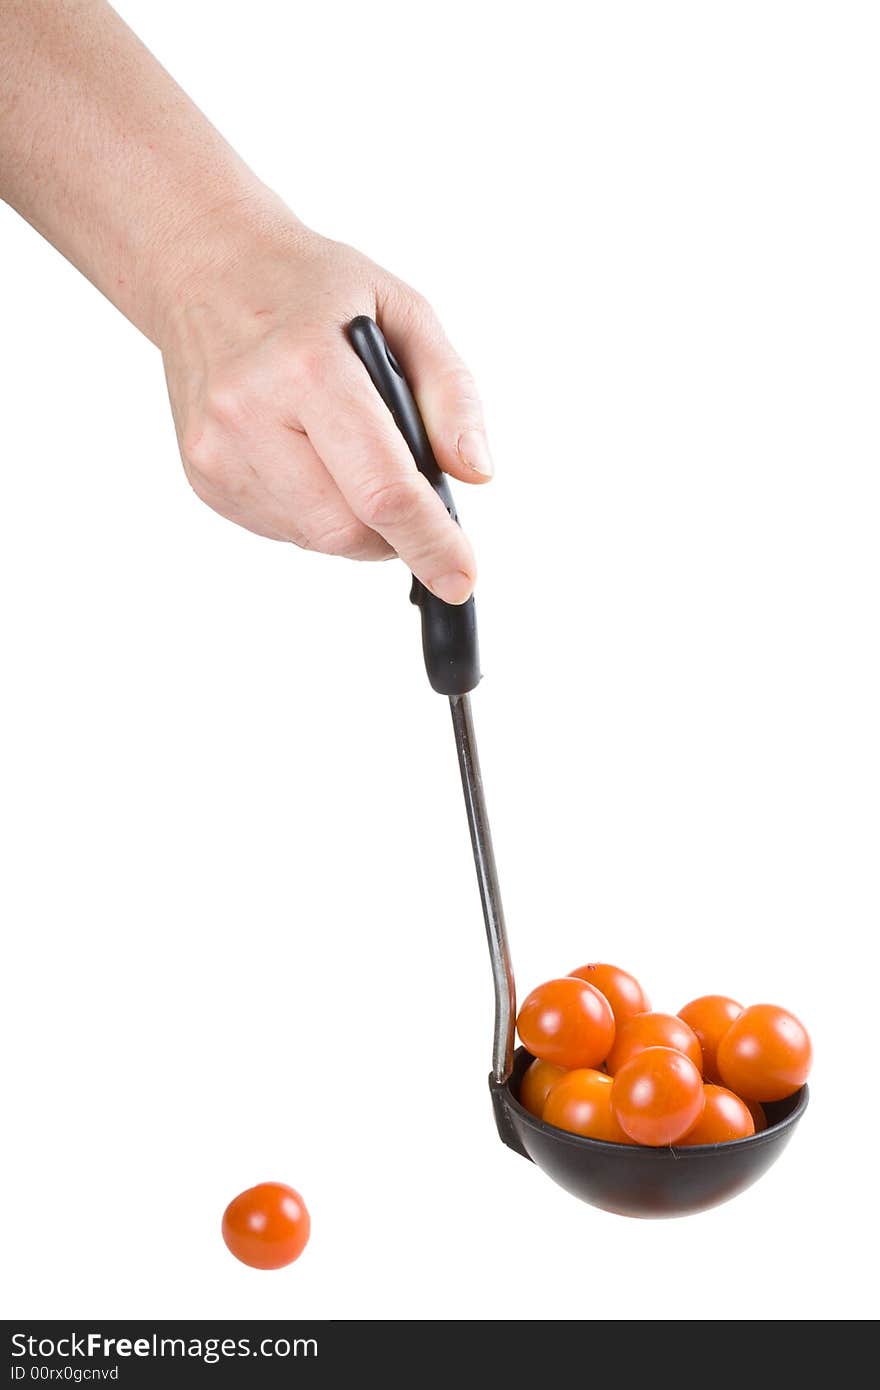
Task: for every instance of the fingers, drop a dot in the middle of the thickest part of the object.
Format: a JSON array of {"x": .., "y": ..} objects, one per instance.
[
  {"x": 274, "y": 484},
  {"x": 442, "y": 385},
  {"x": 353, "y": 433}
]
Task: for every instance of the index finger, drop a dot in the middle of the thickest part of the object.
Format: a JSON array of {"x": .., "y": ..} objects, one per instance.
[{"x": 359, "y": 444}]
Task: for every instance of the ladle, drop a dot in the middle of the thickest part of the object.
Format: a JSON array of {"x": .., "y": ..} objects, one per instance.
[{"x": 630, "y": 1180}]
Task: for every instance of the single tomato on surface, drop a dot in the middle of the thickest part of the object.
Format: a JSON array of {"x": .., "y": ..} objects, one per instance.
[
  {"x": 652, "y": 1030},
  {"x": 765, "y": 1054},
  {"x": 710, "y": 1016},
  {"x": 724, "y": 1117},
  {"x": 581, "y": 1103},
  {"x": 267, "y": 1227},
  {"x": 567, "y": 1022},
  {"x": 536, "y": 1084},
  {"x": 623, "y": 991},
  {"x": 657, "y": 1096}
]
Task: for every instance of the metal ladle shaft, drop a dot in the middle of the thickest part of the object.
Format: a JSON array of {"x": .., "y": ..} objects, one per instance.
[{"x": 487, "y": 878}]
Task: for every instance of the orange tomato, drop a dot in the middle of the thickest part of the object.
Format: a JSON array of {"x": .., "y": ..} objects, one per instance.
[
  {"x": 567, "y": 1022},
  {"x": 623, "y": 991},
  {"x": 536, "y": 1083},
  {"x": 652, "y": 1030},
  {"x": 765, "y": 1054},
  {"x": 581, "y": 1103},
  {"x": 756, "y": 1110},
  {"x": 267, "y": 1227},
  {"x": 710, "y": 1016},
  {"x": 724, "y": 1117},
  {"x": 657, "y": 1096}
]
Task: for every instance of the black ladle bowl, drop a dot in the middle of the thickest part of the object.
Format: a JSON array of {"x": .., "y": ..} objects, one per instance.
[
  {"x": 635, "y": 1181},
  {"x": 620, "y": 1178}
]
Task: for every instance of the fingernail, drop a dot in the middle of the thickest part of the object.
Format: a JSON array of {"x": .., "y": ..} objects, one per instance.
[
  {"x": 474, "y": 452},
  {"x": 453, "y": 588}
]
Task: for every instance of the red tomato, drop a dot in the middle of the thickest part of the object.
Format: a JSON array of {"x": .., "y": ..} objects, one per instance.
[
  {"x": 724, "y": 1117},
  {"x": 765, "y": 1054},
  {"x": 623, "y": 992},
  {"x": 267, "y": 1227},
  {"x": 535, "y": 1085},
  {"x": 568, "y": 1023},
  {"x": 652, "y": 1030},
  {"x": 581, "y": 1103},
  {"x": 657, "y": 1096},
  {"x": 756, "y": 1110},
  {"x": 710, "y": 1016}
]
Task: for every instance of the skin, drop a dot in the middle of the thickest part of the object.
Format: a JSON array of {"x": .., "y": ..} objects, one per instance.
[{"x": 280, "y": 429}]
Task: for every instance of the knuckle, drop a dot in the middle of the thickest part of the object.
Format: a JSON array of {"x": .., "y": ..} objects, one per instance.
[
  {"x": 293, "y": 532},
  {"x": 200, "y": 453},
  {"x": 306, "y": 367},
  {"x": 350, "y": 539},
  {"x": 212, "y": 471},
  {"x": 445, "y": 555},
  {"x": 459, "y": 385},
  {"x": 419, "y": 308},
  {"x": 411, "y": 306},
  {"x": 228, "y": 405},
  {"x": 388, "y": 502}
]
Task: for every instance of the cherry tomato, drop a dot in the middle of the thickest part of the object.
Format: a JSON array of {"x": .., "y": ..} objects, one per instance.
[
  {"x": 623, "y": 991},
  {"x": 652, "y": 1030},
  {"x": 756, "y": 1110},
  {"x": 581, "y": 1103},
  {"x": 568, "y": 1023},
  {"x": 657, "y": 1096},
  {"x": 765, "y": 1054},
  {"x": 724, "y": 1117},
  {"x": 267, "y": 1227},
  {"x": 710, "y": 1016},
  {"x": 536, "y": 1083}
]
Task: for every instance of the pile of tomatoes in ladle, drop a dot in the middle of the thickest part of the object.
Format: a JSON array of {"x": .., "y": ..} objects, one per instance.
[{"x": 607, "y": 1067}]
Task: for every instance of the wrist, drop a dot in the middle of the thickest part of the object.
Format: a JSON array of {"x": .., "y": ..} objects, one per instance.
[{"x": 202, "y": 262}]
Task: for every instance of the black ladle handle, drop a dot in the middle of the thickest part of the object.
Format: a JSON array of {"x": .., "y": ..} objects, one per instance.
[{"x": 449, "y": 630}]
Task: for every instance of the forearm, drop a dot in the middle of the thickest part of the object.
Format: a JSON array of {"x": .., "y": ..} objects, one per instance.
[{"x": 102, "y": 153}]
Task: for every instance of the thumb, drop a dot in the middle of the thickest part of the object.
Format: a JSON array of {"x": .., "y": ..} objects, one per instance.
[{"x": 443, "y": 386}]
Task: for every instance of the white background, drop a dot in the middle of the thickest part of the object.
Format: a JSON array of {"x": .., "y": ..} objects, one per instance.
[{"x": 241, "y": 934}]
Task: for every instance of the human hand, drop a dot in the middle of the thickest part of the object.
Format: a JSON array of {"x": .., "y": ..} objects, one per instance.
[{"x": 280, "y": 428}]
